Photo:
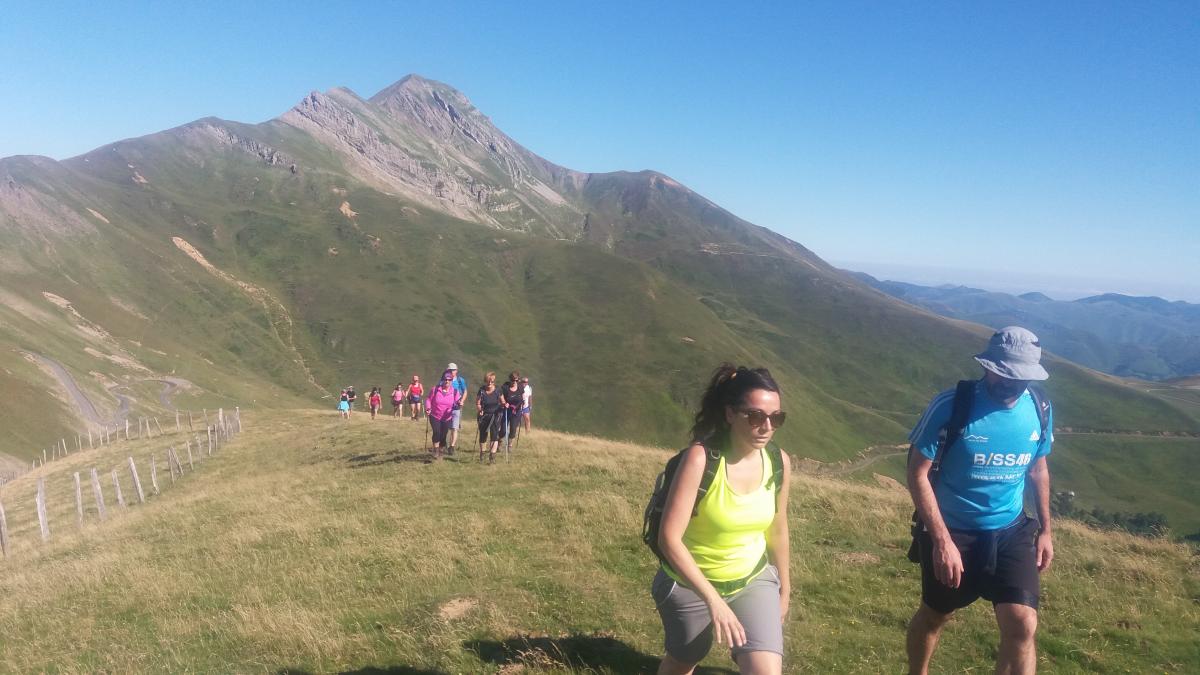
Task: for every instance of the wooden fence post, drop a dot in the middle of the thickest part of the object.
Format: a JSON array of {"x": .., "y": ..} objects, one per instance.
[
  {"x": 191, "y": 466},
  {"x": 41, "y": 509},
  {"x": 190, "y": 427},
  {"x": 78, "y": 443},
  {"x": 153, "y": 473},
  {"x": 177, "y": 429},
  {"x": 43, "y": 457},
  {"x": 126, "y": 428},
  {"x": 208, "y": 430},
  {"x": 237, "y": 415},
  {"x": 90, "y": 445},
  {"x": 78, "y": 500},
  {"x": 137, "y": 484},
  {"x": 160, "y": 431},
  {"x": 98, "y": 493},
  {"x": 3, "y": 532},
  {"x": 117, "y": 487},
  {"x": 170, "y": 467}
]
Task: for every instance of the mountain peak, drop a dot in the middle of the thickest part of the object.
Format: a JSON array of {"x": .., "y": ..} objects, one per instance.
[{"x": 416, "y": 85}]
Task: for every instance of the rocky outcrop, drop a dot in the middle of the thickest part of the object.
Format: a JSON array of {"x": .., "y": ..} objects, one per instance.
[
  {"x": 206, "y": 133},
  {"x": 427, "y": 142},
  {"x": 384, "y": 163},
  {"x": 28, "y": 210}
]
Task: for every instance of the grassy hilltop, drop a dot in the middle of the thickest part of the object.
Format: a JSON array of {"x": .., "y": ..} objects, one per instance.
[{"x": 313, "y": 545}]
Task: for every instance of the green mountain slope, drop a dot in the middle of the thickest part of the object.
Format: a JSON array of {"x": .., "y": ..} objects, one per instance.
[{"x": 362, "y": 241}]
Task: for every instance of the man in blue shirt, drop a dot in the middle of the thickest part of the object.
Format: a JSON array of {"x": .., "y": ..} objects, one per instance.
[
  {"x": 459, "y": 384},
  {"x": 976, "y": 540}
]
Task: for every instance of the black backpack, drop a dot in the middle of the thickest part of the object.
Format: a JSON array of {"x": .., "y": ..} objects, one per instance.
[
  {"x": 964, "y": 398},
  {"x": 652, "y": 519}
]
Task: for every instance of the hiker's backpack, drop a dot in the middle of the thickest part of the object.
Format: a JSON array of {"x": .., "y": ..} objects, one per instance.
[
  {"x": 948, "y": 435},
  {"x": 652, "y": 519}
]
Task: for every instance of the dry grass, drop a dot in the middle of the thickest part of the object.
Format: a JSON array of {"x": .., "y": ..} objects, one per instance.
[{"x": 316, "y": 545}]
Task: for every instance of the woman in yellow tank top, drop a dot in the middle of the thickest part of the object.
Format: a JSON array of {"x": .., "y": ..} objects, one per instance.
[{"x": 726, "y": 572}]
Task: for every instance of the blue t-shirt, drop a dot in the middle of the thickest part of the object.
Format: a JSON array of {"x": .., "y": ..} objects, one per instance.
[
  {"x": 459, "y": 383},
  {"x": 981, "y": 484}
]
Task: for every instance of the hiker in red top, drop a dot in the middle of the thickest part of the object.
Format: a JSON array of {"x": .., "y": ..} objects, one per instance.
[
  {"x": 415, "y": 391},
  {"x": 375, "y": 400}
]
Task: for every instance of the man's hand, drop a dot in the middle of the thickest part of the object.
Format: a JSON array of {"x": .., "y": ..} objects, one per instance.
[
  {"x": 784, "y": 600},
  {"x": 947, "y": 563},
  {"x": 1045, "y": 551}
]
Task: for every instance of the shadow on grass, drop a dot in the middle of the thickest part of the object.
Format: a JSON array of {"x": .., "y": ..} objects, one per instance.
[
  {"x": 588, "y": 652},
  {"x": 371, "y": 670},
  {"x": 394, "y": 457}
]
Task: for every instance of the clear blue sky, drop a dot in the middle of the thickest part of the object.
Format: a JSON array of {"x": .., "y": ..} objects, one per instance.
[{"x": 1053, "y": 145}]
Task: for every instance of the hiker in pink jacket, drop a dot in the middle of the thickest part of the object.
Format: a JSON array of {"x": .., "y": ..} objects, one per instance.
[{"x": 439, "y": 408}]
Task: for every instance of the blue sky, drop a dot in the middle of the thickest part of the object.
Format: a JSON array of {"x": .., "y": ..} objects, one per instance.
[{"x": 1037, "y": 146}]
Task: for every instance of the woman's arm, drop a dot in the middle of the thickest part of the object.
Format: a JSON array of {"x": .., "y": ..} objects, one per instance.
[
  {"x": 681, "y": 499},
  {"x": 778, "y": 540}
]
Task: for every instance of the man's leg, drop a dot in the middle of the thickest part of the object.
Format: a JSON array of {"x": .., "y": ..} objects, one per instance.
[
  {"x": 1018, "y": 649},
  {"x": 923, "y": 633}
]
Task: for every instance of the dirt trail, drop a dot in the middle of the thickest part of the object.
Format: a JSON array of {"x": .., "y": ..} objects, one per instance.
[
  {"x": 866, "y": 458},
  {"x": 878, "y": 453}
]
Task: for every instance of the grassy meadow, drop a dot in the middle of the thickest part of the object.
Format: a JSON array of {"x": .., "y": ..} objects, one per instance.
[{"x": 311, "y": 544}]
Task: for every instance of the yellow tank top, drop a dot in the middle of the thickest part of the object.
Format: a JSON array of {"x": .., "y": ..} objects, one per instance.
[{"x": 727, "y": 537}]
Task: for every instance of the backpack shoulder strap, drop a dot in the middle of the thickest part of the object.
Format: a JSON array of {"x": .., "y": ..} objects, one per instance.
[
  {"x": 776, "y": 455},
  {"x": 1043, "y": 407},
  {"x": 964, "y": 398},
  {"x": 712, "y": 460}
]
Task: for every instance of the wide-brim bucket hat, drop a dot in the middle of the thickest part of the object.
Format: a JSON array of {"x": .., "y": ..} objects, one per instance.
[{"x": 1014, "y": 353}]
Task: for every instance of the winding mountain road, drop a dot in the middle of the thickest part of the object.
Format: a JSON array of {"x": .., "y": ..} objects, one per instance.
[{"x": 87, "y": 409}]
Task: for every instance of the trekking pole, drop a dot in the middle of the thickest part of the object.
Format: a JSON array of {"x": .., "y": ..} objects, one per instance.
[
  {"x": 426, "y": 446},
  {"x": 517, "y": 444},
  {"x": 504, "y": 430}
]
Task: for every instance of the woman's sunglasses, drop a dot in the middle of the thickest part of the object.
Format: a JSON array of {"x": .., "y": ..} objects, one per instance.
[{"x": 758, "y": 418}]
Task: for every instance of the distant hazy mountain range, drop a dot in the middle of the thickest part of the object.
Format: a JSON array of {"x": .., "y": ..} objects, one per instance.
[{"x": 1145, "y": 337}]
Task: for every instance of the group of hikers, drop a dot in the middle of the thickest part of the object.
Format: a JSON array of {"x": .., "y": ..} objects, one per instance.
[
  {"x": 502, "y": 410},
  {"x": 718, "y": 517}
]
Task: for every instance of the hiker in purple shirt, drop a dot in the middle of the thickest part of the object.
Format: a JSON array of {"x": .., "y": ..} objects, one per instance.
[{"x": 439, "y": 408}]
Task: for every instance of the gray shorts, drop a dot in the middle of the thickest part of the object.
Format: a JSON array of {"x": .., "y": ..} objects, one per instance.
[
  {"x": 688, "y": 625},
  {"x": 456, "y": 418}
]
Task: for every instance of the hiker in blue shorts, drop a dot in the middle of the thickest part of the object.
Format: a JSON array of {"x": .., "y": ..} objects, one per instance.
[
  {"x": 971, "y": 452},
  {"x": 459, "y": 384}
]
